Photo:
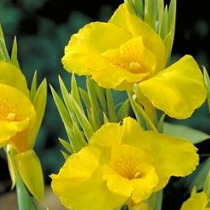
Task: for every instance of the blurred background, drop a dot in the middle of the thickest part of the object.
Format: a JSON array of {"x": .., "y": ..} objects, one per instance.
[{"x": 44, "y": 27}]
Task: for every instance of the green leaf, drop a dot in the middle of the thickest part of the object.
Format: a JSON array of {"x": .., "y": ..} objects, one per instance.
[
  {"x": 33, "y": 87},
  {"x": 92, "y": 121},
  {"x": 1, "y": 33},
  {"x": 39, "y": 102},
  {"x": 95, "y": 108},
  {"x": 160, "y": 13},
  {"x": 67, "y": 121},
  {"x": 85, "y": 98},
  {"x": 75, "y": 141},
  {"x": 172, "y": 16},
  {"x": 206, "y": 187},
  {"x": 75, "y": 91},
  {"x": 101, "y": 95},
  {"x": 164, "y": 25},
  {"x": 4, "y": 53},
  {"x": 65, "y": 155},
  {"x": 65, "y": 95},
  {"x": 66, "y": 145},
  {"x": 123, "y": 110},
  {"x": 150, "y": 12},
  {"x": 79, "y": 136},
  {"x": 110, "y": 106},
  {"x": 195, "y": 136},
  {"x": 169, "y": 39},
  {"x": 62, "y": 110},
  {"x": 81, "y": 118},
  {"x": 106, "y": 120},
  {"x": 136, "y": 7},
  {"x": 14, "y": 59}
]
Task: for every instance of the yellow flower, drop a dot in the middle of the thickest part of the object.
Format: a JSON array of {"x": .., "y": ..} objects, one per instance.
[
  {"x": 197, "y": 201},
  {"x": 20, "y": 119},
  {"x": 125, "y": 51},
  {"x": 17, "y": 112},
  {"x": 122, "y": 164},
  {"x": 16, "y": 115}
]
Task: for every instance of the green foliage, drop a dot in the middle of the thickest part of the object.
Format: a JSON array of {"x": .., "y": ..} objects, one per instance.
[
  {"x": 195, "y": 136},
  {"x": 83, "y": 111}
]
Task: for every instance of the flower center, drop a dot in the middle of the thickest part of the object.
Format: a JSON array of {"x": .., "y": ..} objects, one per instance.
[
  {"x": 135, "y": 67},
  {"x": 11, "y": 116},
  {"x": 129, "y": 162},
  {"x": 124, "y": 166}
]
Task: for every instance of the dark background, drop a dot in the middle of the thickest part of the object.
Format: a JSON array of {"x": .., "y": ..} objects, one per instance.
[{"x": 44, "y": 27}]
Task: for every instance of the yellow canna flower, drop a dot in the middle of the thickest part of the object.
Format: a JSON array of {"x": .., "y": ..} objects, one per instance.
[
  {"x": 127, "y": 51},
  {"x": 197, "y": 201},
  {"x": 122, "y": 164},
  {"x": 20, "y": 119},
  {"x": 14, "y": 119}
]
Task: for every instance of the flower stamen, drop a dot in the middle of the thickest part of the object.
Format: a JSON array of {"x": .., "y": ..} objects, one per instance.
[
  {"x": 11, "y": 116},
  {"x": 135, "y": 67}
]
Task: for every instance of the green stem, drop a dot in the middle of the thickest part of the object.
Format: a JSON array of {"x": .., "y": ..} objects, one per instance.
[
  {"x": 156, "y": 200},
  {"x": 25, "y": 201}
]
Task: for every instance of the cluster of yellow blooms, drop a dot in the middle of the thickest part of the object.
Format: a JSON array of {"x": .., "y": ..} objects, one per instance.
[{"x": 122, "y": 162}]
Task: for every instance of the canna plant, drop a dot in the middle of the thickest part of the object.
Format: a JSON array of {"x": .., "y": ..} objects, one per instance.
[{"x": 119, "y": 155}]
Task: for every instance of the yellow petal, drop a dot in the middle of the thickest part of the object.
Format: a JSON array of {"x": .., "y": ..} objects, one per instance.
[
  {"x": 137, "y": 188},
  {"x": 87, "y": 45},
  {"x": 106, "y": 136},
  {"x": 116, "y": 182},
  {"x": 12, "y": 76},
  {"x": 137, "y": 27},
  {"x": 122, "y": 163},
  {"x": 120, "y": 54},
  {"x": 177, "y": 90},
  {"x": 79, "y": 183},
  {"x": 198, "y": 201},
  {"x": 130, "y": 63},
  {"x": 169, "y": 160},
  {"x": 144, "y": 186},
  {"x": 10, "y": 129},
  {"x": 16, "y": 112},
  {"x": 180, "y": 160},
  {"x": 30, "y": 170}
]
